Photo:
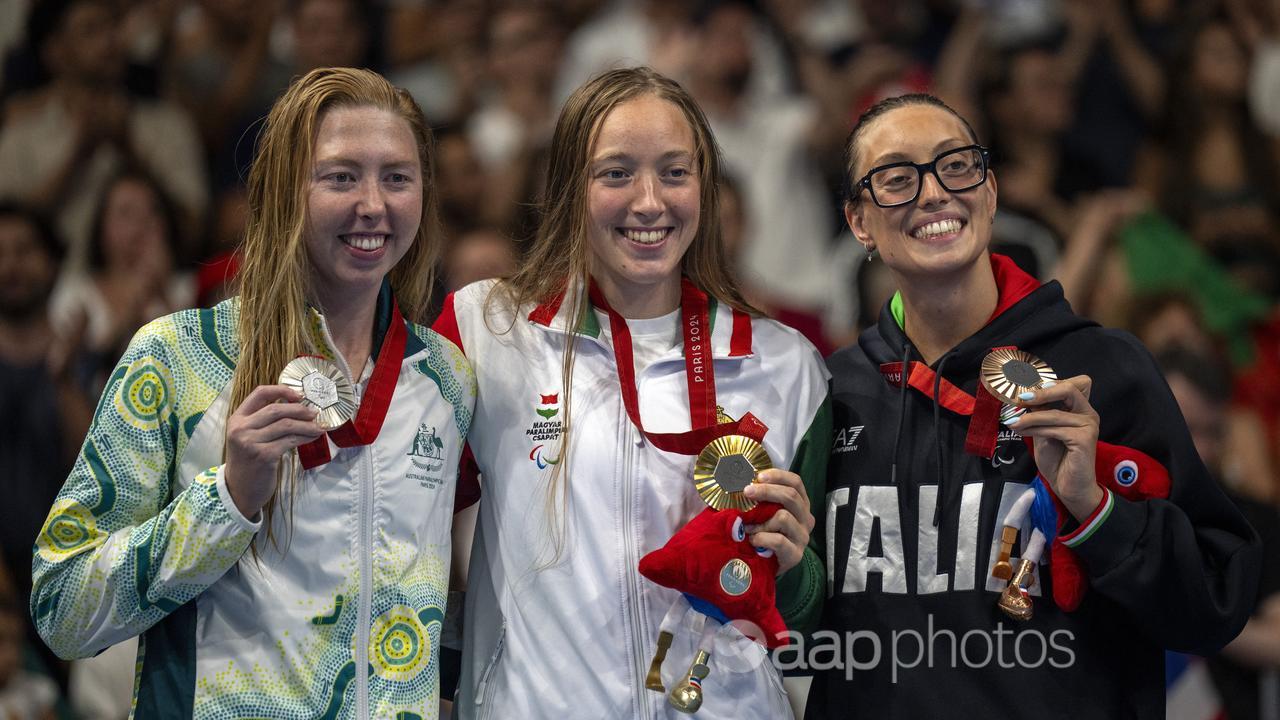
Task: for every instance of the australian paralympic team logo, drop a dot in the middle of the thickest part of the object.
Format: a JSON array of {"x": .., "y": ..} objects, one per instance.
[
  {"x": 427, "y": 455},
  {"x": 544, "y": 432}
]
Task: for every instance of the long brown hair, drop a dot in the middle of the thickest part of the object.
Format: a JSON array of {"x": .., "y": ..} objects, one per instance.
[
  {"x": 274, "y": 280},
  {"x": 560, "y": 256}
]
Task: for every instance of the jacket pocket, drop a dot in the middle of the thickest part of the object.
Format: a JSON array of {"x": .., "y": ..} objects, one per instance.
[
  {"x": 739, "y": 654},
  {"x": 775, "y": 677},
  {"x": 483, "y": 688}
]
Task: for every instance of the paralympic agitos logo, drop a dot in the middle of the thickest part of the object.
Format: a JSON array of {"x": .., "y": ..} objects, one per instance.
[{"x": 545, "y": 430}]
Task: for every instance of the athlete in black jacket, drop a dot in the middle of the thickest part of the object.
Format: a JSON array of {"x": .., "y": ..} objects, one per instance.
[{"x": 922, "y": 475}]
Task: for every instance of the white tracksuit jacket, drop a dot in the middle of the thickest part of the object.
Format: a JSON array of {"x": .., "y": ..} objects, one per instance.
[
  {"x": 144, "y": 538},
  {"x": 573, "y": 636}
]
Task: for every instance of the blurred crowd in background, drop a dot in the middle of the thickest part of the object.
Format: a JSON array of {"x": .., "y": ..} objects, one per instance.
[{"x": 1136, "y": 144}]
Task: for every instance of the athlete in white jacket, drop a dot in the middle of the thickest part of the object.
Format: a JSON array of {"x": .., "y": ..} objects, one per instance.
[
  {"x": 315, "y": 593},
  {"x": 559, "y": 623}
]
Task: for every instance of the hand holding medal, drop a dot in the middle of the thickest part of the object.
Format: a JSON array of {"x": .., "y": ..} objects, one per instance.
[
  {"x": 1058, "y": 418},
  {"x": 736, "y": 472},
  {"x": 314, "y": 399},
  {"x": 270, "y": 422}
]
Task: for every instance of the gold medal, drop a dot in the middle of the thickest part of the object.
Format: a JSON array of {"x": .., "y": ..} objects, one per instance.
[
  {"x": 725, "y": 467},
  {"x": 322, "y": 386},
  {"x": 1009, "y": 372}
]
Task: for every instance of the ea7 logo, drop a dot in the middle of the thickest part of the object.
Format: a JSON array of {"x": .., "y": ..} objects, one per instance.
[{"x": 846, "y": 439}]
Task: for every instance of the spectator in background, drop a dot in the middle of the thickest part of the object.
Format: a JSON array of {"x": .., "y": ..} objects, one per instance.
[
  {"x": 511, "y": 129},
  {"x": 479, "y": 254},
  {"x": 1213, "y": 171},
  {"x": 1112, "y": 54},
  {"x": 1169, "y": 320},
  {"x": 144, "y": 35},
  {"x": 1092, "y": 266},
  {"x": 1257, "y": 385},
  {"x": 221, "y": 70},
  {"x": 659, "y": 34},
  {"x": 1028, "y": 101},
  {"x": 517, "y": 111},
  {"x": 131, "y": 278},
  {"x": 1028, "y": 96},
  {"x": 1202, "y": 387},
  {"x": 1172, "y": 322},
  {"x": 61, "y": 143},
  {"x": 333, "y": 33},
  {"x": 823, "y": 26},
  {"x": 315, "y": 33},
  {"x": 45, "y": 412},
  {"x": 901, "y": 46},
  {"x": 767, "y": 148},
  {"x": 461, "y": 183},
  {"x": 655, "y": 33},
  {"x": 436, "y": 51},
  {"x": 734, "y": 229}
]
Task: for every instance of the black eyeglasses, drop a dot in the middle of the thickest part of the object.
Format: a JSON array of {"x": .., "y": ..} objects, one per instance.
[{"x": 899, "y": 183}]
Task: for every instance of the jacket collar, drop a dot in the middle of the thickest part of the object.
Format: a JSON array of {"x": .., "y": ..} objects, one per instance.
[
  {"x": 381, "y": 323},
  {"x": 731, "y": 330},
  {"x": 1012, "y": 282}
]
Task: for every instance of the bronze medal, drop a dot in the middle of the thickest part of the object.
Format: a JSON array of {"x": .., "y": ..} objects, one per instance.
[
  {"x": 1008, "y": 372},
  {"x": 725, "y": 467},
  {"x": 322, "y": 386}
]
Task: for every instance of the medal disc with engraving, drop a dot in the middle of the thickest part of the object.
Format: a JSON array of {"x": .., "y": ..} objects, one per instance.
[
  {"x": 725, "y": 467},
  {"x": 322, "y": 386},
  {"x": 1009, "y": 372}
]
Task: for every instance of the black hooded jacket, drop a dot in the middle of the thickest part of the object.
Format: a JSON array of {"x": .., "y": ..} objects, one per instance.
[{"x": 911, "y": 628}]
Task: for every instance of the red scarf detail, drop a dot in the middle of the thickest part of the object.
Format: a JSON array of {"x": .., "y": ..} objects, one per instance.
[
  {"x": 365, "y": 426},
  {"x": 699, "y": 375}
]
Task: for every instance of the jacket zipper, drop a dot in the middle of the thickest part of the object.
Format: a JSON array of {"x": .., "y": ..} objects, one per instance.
[
  {"x": 482, "y": 688},
  {"x": 631, "y": 569},
  {"x": 366, "y": 585},
  {"x": 363, "y": 549}
]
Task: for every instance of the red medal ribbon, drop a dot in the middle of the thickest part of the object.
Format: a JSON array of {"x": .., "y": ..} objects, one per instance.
[
  {"x": 699, "y": 375},
  {"x": 921, "y": 377},
  {"x": 365, "y": 426},
  {"x": 982, "y": 407}
]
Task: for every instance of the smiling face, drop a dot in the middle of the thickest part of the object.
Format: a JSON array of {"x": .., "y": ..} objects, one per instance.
[
  {"x": 941, "y": 232},
  {"x": 364, "y": 204},
  {"x": 643, "y": 205}
]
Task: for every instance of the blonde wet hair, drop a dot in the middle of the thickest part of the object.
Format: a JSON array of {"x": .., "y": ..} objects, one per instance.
[{"x": 274, "y": 280}]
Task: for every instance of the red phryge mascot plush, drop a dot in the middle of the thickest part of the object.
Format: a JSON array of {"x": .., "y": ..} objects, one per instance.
[
  {"x": 1129, "y": 473},
  {"x": 712, "y": 562}
]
